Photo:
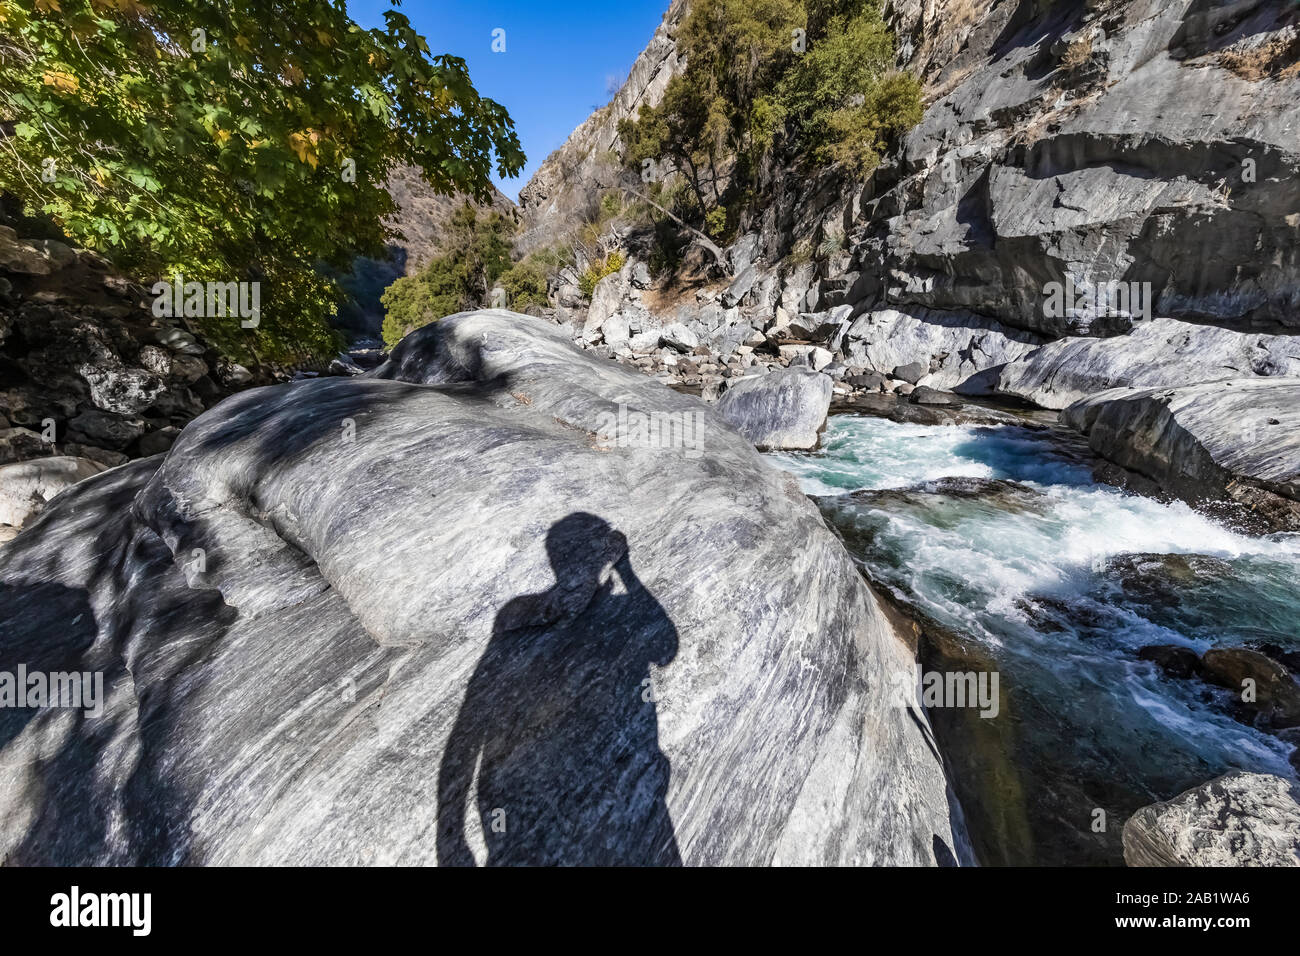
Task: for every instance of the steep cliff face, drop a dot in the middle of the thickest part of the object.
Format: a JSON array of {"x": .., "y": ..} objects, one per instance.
[
  {"x": 1098, "y": 193},
  {"x": 1127, "y": 141},
  {"x": 563, "y": 190}
]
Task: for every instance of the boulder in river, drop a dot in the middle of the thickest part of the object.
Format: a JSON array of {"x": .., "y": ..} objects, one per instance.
[
  {"x": 1236, "y": 440},
  {"x": 782, "y": 409},
  {"x": 1271, "y": 691},
  {"x": 924, "y": 395},
  {"x": 427, "y": 616},
  {"x": 1174, "y": 659},
  {"x": 1239, "y": 819}
]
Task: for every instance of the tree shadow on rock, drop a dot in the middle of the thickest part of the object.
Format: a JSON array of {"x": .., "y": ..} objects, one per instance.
[{"x": 559, "y": 720}]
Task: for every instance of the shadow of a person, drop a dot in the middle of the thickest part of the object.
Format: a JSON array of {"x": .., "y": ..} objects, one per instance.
[{"x": 560, "y": 721}]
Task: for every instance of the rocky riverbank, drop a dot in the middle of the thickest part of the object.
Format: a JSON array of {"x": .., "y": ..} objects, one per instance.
[
  {"x": 1099, "y": 196},
  {"x": 89, "y": 377}
]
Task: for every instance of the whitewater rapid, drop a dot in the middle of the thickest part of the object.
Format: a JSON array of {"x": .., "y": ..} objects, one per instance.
[{"x": 1034, "y": 560}]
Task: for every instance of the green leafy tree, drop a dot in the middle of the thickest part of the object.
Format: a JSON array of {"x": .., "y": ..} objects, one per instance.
[
  {"x": 819, "y": 71},
  {"x": 241, "y": 140},
  {"x": 719, "y": 107},
  {"x": 475, "y": 251},
  {"x": 844, "y": 97}
]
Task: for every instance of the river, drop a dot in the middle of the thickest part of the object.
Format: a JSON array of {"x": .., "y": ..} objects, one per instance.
[{"x": 999, "y": 541}]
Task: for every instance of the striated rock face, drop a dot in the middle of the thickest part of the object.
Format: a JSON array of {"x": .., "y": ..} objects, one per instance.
[
  {"x": 1237, "y": 440},
  {"x": 1145, "y": 144},
  {"x": 562, "y": 191},
  {"x": 1239, "y": 819},
  {"x": 1146, "y": 141},
  {"x": 1161, "y": 353},
  {"x": 780, "y": 410},
  {"x": 1099, "y": 194},
  {"x": 427, "y": 615}
]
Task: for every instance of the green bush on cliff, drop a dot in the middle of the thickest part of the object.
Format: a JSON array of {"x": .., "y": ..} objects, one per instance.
[
  {"x": 844, "y": 98},
  {"x": 474, "y": 253},
  {"x": 598, "y": 270},
  {"x": 813, "y": 77},
  {"x": 525, "y": 285},
  {"x": 224, "y": 143}
]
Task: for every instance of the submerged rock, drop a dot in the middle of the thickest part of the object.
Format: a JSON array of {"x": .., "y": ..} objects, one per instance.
[
  {"x": 1174, "y": 659},
  {"x": 1239, "y": 819},
  {"x": 924, "y": 395},
  {"x": 427, "y": 616},
  {"x": 1264, "y": 686},
  {"x": 1165, "y": 580},
  {"x": 782, "y": 410},
  {"x": 1011, "y": 497},
  {"x": 900, "y": 408}
]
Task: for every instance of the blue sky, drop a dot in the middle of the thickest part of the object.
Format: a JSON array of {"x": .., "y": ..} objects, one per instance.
[{"x": 558, "y": 60}]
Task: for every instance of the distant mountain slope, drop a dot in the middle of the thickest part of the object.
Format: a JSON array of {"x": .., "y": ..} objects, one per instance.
[
  {"x": 421, "y": 218},
  {"x": 561, "y": 191}
]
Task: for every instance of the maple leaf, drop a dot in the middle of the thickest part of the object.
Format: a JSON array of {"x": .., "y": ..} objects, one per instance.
[
  {"x": 303, "y": 146},
  {"x": 61, "y": 80}
]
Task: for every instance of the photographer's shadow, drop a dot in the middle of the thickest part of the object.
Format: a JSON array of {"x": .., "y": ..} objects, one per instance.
[{"x": 558, "y": 733}]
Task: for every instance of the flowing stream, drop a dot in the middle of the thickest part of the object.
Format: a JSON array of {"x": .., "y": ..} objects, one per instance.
[{"x": 1013, "y": 559}]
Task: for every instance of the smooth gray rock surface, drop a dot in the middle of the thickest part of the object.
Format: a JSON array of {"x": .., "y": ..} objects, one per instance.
[
  {"x": 1239, "y": 819},
  {"x": 1167, "y": 156},
  {"x": 1161, "y": 353},
  {"x": 333, "y": 600},
  {"x": 782, "y": 409},
  {"x": 1235, "y": 440}
]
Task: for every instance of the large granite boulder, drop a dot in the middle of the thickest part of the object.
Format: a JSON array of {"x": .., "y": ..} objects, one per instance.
[
  {"x": 781, "y": 409},
  {"x": 1236, "y": 440},
  {"x": 1239, "y": 819},
  {"x": 478, "y": 606}
]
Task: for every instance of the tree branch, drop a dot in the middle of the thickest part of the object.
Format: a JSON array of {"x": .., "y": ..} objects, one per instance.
[{"x": 700, "y": 238}]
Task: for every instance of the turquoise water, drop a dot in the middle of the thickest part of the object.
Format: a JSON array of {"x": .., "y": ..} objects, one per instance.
[{"x": 1060, "y": 581}]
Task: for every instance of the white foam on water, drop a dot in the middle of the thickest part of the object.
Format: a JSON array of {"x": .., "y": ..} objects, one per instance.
[{"x": 989, "y": 568}]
